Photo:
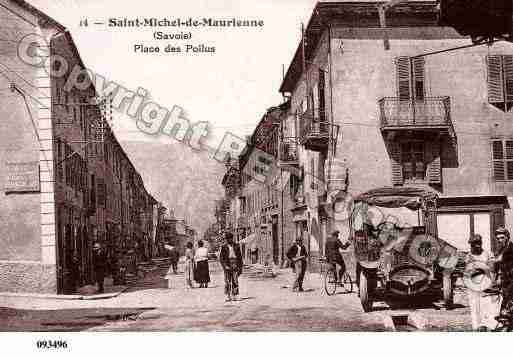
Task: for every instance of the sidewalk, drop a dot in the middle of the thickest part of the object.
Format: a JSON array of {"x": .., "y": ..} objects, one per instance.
[{"x": 111, "y": 291}]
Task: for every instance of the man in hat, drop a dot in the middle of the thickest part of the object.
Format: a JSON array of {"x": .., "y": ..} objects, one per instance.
[
  {"x": 504, "y": 267},
  {"x": 505, "y": 257},
  {"x": 99, "y": 264},
  {"x": 333, "y": 255},
  {"x": 230, "y": 258},
  {"x": 297, "y": 256}
]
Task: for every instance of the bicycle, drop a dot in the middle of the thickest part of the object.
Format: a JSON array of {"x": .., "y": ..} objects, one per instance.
[{"x": 329, "y": 276}]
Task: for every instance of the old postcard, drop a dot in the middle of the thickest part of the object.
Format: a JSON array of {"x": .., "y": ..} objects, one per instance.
[{"x": 255, "y": 166}]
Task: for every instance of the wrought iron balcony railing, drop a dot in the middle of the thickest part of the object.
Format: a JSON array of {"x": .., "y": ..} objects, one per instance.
[
  {"x": 430, "y": 112},
  {"x": 313, "y": 133}
]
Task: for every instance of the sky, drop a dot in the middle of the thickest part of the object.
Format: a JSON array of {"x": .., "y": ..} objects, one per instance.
[{"x": 230, "y": 89}]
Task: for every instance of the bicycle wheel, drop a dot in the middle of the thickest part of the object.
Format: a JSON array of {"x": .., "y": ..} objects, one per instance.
[
  {"x": 330, "y": 283},
  {"x": 347, "y": 283}
]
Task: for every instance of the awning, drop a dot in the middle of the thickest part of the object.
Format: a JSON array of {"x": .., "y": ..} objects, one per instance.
[{"x": 392, "y": 197}]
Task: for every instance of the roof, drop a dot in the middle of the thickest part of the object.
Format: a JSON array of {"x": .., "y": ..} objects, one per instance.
[
  {"x": 25, "y": 5},
  {"x": 326, "y": 12},
  {"x": 271, "y": 118}
]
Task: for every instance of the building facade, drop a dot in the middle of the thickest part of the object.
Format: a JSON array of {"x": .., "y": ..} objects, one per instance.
[
  {"x": 378, "y": 101},
  {"x": 390, "y": 107},
  {"x": 261, "y": 191},
  {"x": 66, "y": 181}
]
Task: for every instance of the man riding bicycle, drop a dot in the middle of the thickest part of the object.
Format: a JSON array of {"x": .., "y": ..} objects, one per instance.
[{"x": 333, "y": 255}]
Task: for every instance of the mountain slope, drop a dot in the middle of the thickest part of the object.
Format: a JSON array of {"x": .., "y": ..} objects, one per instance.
[{"x": 183, "y": 179}]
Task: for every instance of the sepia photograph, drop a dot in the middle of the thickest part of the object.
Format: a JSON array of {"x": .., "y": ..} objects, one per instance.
[{"x": 247, "y": 166}]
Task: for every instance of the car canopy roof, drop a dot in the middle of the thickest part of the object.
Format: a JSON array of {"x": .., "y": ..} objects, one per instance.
[{"x": 395, "y": 197}]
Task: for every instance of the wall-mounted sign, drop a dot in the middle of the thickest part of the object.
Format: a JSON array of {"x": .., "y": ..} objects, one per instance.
[{"x": 22, "y": 177}]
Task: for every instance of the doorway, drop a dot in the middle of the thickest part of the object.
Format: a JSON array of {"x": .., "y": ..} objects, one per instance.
[{"x": 276, "y": 245}]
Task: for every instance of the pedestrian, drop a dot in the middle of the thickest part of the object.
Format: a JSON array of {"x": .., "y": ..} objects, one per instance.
[
  {"x": 504, "y": 267},
  {"x": 297, "y": 256},
  {"x": 189, "y": 264},
  {"x": 230, "y": 258},
  {"x": 75, "y": 272},
  {"x": 477, "y": 279},
  {"x": 202, "y": 275},
  {"x": 99, "y": 264},
  {"x": 174, "y": 256}
]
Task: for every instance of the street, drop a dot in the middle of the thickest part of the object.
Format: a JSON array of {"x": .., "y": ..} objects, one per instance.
[{"x": 266, "y": 304}]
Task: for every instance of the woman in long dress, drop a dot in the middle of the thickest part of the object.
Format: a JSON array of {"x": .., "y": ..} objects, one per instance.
[
  {"x": 189, "y": 264},
  {"x": 477, "y": 279},
  {"x": 202, "y": 270}
]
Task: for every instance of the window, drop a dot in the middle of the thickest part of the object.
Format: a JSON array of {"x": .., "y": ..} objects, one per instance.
[
  {"x": 81, "y": 116},
  {"x": 57, "y": 94},
  {"x": 93, "y": 194},
  {"x": 60, "y": 173},
  {"x": 410, "y": 78},
  {"x": 322, "y": 98},
  {"x": 243, "y": 205},
  {"x": 294, "y": 184},
  {"x": 413, "y": 161},
  {"x": 67, "y": 153},
  {"x": 106, "y": 151},
  {"x": 313, "y": 176},
  {"x": 101, "y": 192},
  {"x": 502, "y": 158},
  {"x": 500, "y": 81}
]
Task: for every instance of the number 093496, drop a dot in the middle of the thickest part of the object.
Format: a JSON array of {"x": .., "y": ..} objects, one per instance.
[{"x": 51, "y": 344}]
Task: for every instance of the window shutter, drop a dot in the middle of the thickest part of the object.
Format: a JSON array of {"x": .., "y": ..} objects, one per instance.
[
  {"x": 418, "y": 77},
  {"x": 395, "y": 159},
  {"x": 403, "y": 77},
  {"x": 434, "y": 167},
  {"x": 507, "y": 61},
  {"x": 498, "y": 161},
  {"x": 495, "y": 83},
  {"x": 315, "y": 103},
  {"x": 100, "y": 192},
  {"x": 509, "y": 160},
  {"x": 322, "y": 99},
  {"x": 312, "y": 174}
]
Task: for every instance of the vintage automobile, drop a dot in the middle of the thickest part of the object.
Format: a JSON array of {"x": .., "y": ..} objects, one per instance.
[{"x": 394, "y": 257}]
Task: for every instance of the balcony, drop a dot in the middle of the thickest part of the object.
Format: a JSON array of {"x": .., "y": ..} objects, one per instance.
[
  {"x": 429, "y": 114},
  {"x": 288, "y": 155},
  {"x": 314, "y": 134}
]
